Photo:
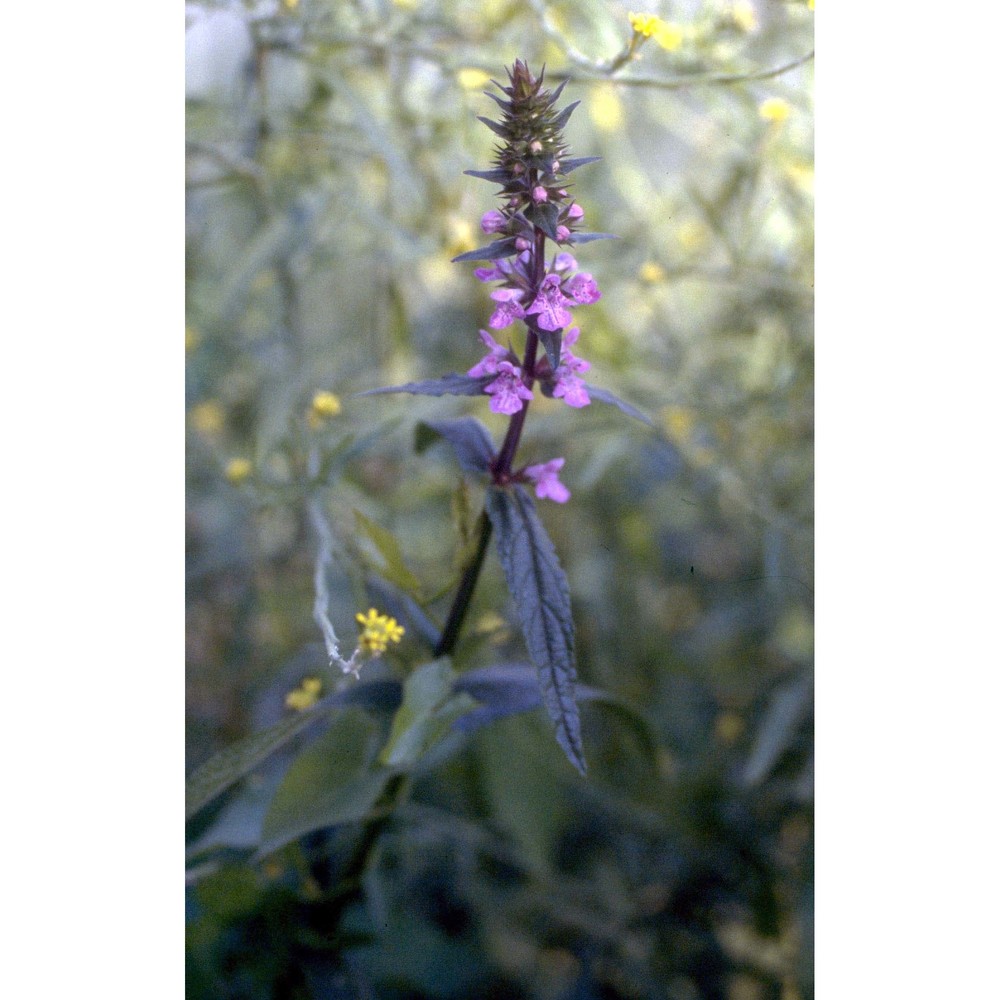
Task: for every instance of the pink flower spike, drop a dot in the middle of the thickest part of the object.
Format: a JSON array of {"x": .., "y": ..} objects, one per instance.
[
  {"x": 507, "y": 390},
  {"x": 546, "y": 480},
  {"x": 564, "y": 262},
  {"x": 489, "y": 364},
  {"x": 583, "y": 289},
  {"x": 575, "y": 212},
  {"x": 508, "y": 308},
  {"x": 493, "y": 222}
]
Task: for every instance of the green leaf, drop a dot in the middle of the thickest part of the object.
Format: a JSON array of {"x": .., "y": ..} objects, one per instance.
[
  {"x": 603, "y": 396},
  {"x": 501, "y": 130},
  {"x": 429, "y": 708},
  {"x": 469, "y": 439},
  {"x": 552, "y": 342},
  {"x": 394, "y": 568},
  {"x": 545, "y": 216},
  {"x": 506, "y": 247},
  {"x": 452, "y": 384},
  {"x": 590, "y": 237},
  {"x": 571, "y": 163},
  {"x": 541, "y": 597},
  {"x": 498, "y": 175},
  {"x": 230, "y": 765},
  {"x": 237, "y": 761},
  {"x": 332, "y": 782}
]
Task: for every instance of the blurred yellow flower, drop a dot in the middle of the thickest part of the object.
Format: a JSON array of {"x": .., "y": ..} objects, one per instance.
[
  {"x": 208, "y": 418},
  {"x": 811, "y": 4},
  {"x": 728, "y": 727},
  {"x": 459, "y": 236},
  {"x": 191, "y": 338},
  {"x": 472, "y": 79},
  {"x": 377, "y": 631},
  {"x": 652, "y": 273},
  {"x": 238, "y": 470},
  {"x": 678, "y": 421},
  {"x": 305, "y": 695},
  {"x": 605, "y": 108},
  {"x": 290, "y": 4},
  {"x": 774, "y": 109},
  {"x": 692, "y": 235},
  {"x": 743, "y": 15},
  {"x": 325, "y": 405},
  {"x": 665, "y": 33}
]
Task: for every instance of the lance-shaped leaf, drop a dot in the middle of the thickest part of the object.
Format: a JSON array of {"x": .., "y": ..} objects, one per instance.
[
  {"x": 590, "y": 237},
  {"x": 498, "y": 175},
  {"x": 563, "y": 115},
  {"x": 237, "y": 761},
  {"x": 452, "y": 384},
  {"x": 506, "y": 247},
  {"x": 541, "y": 598},
  {"x": 603, "y": 396},
  {"x": 335, "y": 781},
  {"x": 469, "y": 439},
  {"x": 571, "y": 163},
  {"x": 404, "y": 609},
  {"x": 501, "y": 130},
  {"x": 394, "y": 566}
]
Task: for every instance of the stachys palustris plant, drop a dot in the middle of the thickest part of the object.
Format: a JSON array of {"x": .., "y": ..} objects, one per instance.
[{"x": 540, "y": 291}]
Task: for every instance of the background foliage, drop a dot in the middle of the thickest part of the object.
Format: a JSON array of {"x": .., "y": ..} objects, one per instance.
[{"x": 326, "y": 144}]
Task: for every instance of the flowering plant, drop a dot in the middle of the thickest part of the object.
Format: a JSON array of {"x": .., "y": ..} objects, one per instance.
[{"x": 538, "y": 290}]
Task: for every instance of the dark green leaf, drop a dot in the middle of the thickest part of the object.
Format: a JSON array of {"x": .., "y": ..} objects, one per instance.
[
  {"x": 501, "y": 130},
  {"x": 469, "y": 439},
  {"x": 552, "y": 342},
  {"x": 499, "y": 248},
  {"x": 545, "y": 216},
  {"x": 603, "y": 396},
  {"x": 504, "y": 105},
  {"x": 563, "y": 116},
  {"x": 498, "y": 175},
  {"x": 452, "y": 384},
  {"x": 541, "y": 598},
  {"x": 590, "y": 237},
  {"x": 569, "y": 165},
  {"x": 334, "y": 781}
]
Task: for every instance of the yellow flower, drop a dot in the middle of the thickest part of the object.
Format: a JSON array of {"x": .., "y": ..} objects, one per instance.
[
  {"x": 743, "y": 15},
  {"x": 774, "y": 109},
  {"x": 605, "y": 107},
  {"x": 643, "y": 24},
  {"x": 290, "y": 4},
  {"x": 811, "y": 4},
  {"x": 651, "y": 273},
  {"x": 377, "y": 631},
  {"x": 665, "y": 33},
  {"x": 324, "y": 406},
  {"x": 472, "y": 79},
  {"x": 305, "y": 695},
  {"x": 208, "y": 418},
  {"x": 238, "y": 470},
  {"x": 191, "y": 338},
  {"x": 668, "y": 35}
]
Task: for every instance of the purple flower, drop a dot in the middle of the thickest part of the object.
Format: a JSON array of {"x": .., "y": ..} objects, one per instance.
[
  {"x": 564, "y": 262},
  {"x": 583, "y": 289},
  {"x": 567, "y": 384},
  {"x": 539, "y": 194},
  {"x": 562, "y": 234},
  {"x": 489, "y": 364},
  {"x": 575, "y": 212},
  {"x": 507, "y": 390},
  {"x": 546, "y": 480},
  {"x": 493, "y": 222},
  {"x": 488, "y": 273},
  {"x": 508, "y": 308},
  {"x": 549, "y": 305}
]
